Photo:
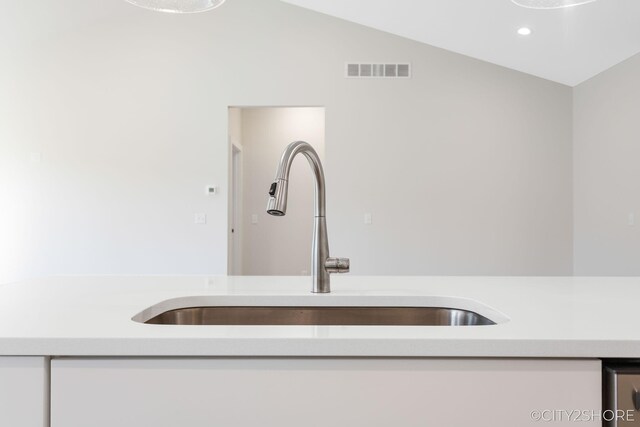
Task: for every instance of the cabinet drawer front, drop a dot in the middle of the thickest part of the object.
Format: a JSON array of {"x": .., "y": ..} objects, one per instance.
[
  {"x": 24, "y": 391},
  {"x": 318, "y": 392}
]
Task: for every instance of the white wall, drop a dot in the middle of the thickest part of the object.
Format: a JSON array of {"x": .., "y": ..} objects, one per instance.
[
  {"x": 278, "y": 245},
  {"x": 466, "y": 167},
  {"x": 607, "y": 175}
]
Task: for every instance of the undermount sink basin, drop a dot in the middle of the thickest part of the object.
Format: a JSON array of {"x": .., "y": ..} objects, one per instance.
[{"x": 321, "y": 316}]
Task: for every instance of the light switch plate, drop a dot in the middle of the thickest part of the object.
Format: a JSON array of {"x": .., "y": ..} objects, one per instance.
[
  {"x": 368, "y": 219},
  {"x": 211, "y": 190},
  {"x": 200, "y": 218}
]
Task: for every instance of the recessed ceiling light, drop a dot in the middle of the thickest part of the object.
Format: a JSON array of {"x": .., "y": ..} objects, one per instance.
[
  {"x": 178, "y": 6},
  {"x": 524, "y": 31},
  {"x": 550, "y": 4}
]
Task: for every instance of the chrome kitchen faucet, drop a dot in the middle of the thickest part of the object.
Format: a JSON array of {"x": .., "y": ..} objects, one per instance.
[{"x": 322, "y": 265}]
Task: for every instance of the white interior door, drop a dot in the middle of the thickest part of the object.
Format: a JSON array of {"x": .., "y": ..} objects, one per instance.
[{"x": 236, "y": 211}]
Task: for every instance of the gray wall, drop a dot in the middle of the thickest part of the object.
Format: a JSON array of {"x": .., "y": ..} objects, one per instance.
[
  {"x": 466, "y": 167},
  {"x": 607, "y": 172}
]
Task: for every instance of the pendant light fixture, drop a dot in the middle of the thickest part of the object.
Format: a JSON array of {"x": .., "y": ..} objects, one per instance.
[
  {"x": 550, "y": 4},
  {"x": 178, "y": 6}
]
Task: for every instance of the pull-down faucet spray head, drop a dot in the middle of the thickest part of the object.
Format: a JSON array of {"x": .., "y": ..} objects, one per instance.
[{"x": 277, "y": 204}]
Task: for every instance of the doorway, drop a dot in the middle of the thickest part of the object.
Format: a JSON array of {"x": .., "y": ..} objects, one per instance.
[{"x": 259, "y": 244}]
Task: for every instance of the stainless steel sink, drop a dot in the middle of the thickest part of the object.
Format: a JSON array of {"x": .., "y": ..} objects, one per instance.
[{"x": 336, "y": 316}]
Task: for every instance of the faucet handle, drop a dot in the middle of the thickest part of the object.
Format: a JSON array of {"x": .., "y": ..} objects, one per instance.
[{"x": 337, "y": 265}]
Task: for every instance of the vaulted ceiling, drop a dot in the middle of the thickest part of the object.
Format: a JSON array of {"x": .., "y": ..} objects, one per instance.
[{"x": 568, "y": 45}]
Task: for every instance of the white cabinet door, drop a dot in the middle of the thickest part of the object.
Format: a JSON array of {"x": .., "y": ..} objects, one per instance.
[
  {"x": 319, "y": 392},
  {"x": 24, "y": 391}
]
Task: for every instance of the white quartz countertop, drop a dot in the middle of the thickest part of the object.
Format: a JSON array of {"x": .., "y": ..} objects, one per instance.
[{"x": 536, "y": 317}]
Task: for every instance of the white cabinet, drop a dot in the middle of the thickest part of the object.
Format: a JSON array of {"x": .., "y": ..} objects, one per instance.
[
  {"x": 24, "y": 391},
  {"x": 248, "y": 392}
]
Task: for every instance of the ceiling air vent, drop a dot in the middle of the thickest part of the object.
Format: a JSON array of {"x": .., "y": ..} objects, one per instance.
[{"x": 385, "y": 71}]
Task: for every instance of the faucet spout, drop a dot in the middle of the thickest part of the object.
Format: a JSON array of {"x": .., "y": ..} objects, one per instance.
[{"x": 321, "y": 264}]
